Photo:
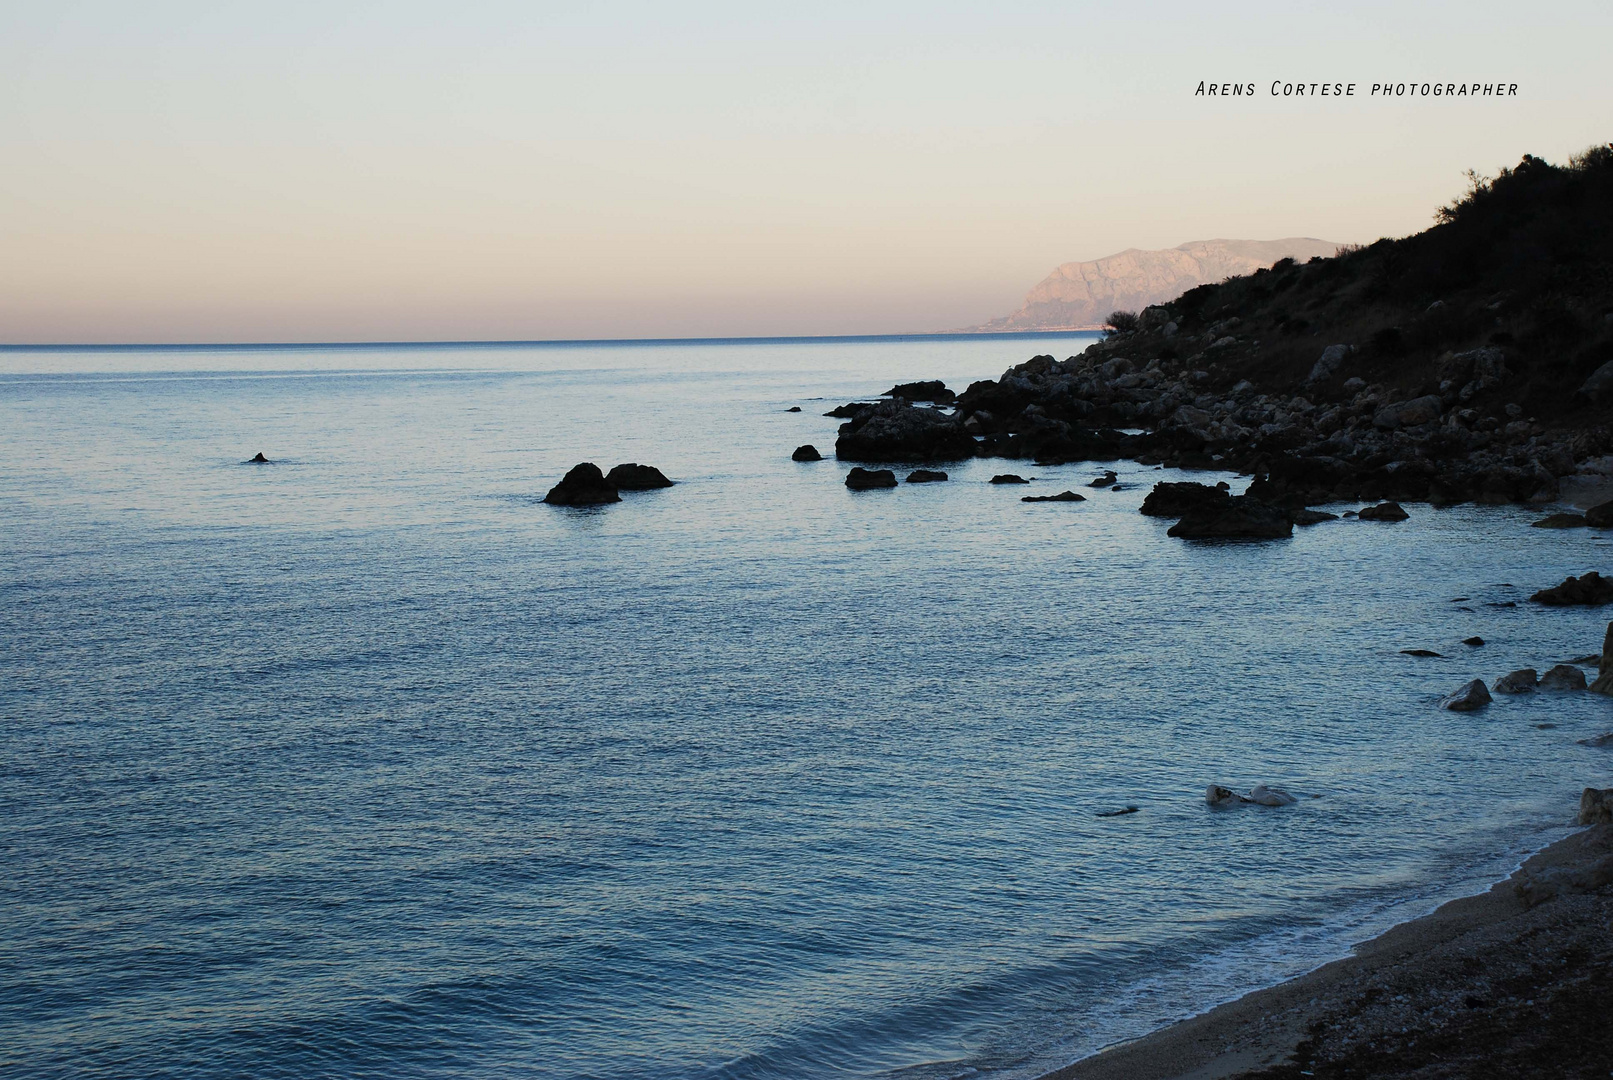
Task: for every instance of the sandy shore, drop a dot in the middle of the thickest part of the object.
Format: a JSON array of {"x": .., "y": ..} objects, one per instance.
[{"x": 1516, "y": 982}]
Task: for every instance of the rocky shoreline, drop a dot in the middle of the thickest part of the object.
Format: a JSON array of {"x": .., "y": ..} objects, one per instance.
[
  {"x": 1342, "y": 439},
  {"x": 1512, "y": 982}
]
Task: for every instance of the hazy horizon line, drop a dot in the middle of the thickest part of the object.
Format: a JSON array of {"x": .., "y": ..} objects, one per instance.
[{"x": 540, "y": 342}]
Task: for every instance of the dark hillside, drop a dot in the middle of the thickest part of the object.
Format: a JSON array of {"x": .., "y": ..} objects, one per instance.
[{"x": 1523, "y": 261}]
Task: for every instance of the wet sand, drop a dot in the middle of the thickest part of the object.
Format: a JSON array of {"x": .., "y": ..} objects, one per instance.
[{"x": 1514, "y": 982}]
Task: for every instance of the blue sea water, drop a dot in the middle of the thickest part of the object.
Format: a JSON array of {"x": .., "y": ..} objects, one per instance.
[{"x": 369, "y": 764}]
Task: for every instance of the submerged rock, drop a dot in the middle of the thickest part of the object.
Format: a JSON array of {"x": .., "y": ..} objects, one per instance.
[
  {"x": 1591, "y": 590},
  {"x": 1605, "y": 739},
  {"x": 1270, "y": 796},
  {"x": 1522, "y": 681},
  {"x": 259, "y": 459},
  {"x": 1261, "y": 795},
  {"x": 1421, "y": 652},
  {"x": 584, "y": 485},
  {"x": 1175, "y": 499},
  {"x": 1474, "y": 695},
  {"x": 1559, "y": 521},
  {"x": 793, "y": 408},
  {"x": 806, "y": 453},
  {"x": 1063, "y": 496},
  {"x": 1389, "y": 511},
  {"x": 1009, "y": 478},
  {"x": 1302, "y": 516},
  {"x": 1117, "y": 813},
  {"x": 1240, "y": 516},
  {"x": 866, "y": 479},
  {"x": 1563, "y": 677},
  {"x": 1106, "y": 480},
  {"x": 1474, "y": 641},
  {"x": 925, "y": 476},
  {"x": 635, "y": 477}
]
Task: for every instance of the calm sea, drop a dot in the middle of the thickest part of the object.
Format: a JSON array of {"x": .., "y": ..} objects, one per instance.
[{"x": 368, "y": 764}]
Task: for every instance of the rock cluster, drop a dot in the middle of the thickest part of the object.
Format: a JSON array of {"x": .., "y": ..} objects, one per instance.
[
  {"x": 584, "y": 485},
  {"x": 1453, "y": 441},
  {"x": 1591, "y": 590},
  {"x": 866, "y": 479}
]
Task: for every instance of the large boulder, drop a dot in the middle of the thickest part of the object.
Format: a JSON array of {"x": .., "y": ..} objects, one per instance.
[
  {"x": 1063, "y": 496},
  {"x": 1475, "y": 695},
  {"x": 584, "y": 485},
  {"x": 1009, "y": 478},
  {"x": 1173, "y": 500},
  {"x": 1600, "y": 382},
  {"x": 926, "y": 476},
  {"x": 1590, "y": 590},
  {"x": 635, "y": 477},
  {"x": 1238, "y": 516},
  {"x": 1596, "y": 806},
  {"x": 1328, "y": 364},
  {"x": 1408, "y": 413},
  {"x": 866, "y": 479},
  {"x": 1600, "y": 516},
  {"x": 1522, "y": 681},
  {"x": 898, "y": 431},
  {"x": 1559, "y": 521},
  {"x": 1389, "y": 511},
  {"x": 1563, "y": 677},
  {"x": 932, "y": 390},
  {"x": 849, "y": 409},
  {"x": 806, "y": 453}
]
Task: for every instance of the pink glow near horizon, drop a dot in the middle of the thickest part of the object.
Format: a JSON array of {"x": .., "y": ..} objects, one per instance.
[{"x": 182, "y": 173}]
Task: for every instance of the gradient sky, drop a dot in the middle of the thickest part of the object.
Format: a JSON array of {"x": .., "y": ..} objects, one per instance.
[{"x": 345, "y": 171}]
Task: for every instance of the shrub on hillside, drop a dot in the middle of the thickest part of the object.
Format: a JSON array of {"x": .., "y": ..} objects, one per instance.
[{"x": 1121, "y": 322}]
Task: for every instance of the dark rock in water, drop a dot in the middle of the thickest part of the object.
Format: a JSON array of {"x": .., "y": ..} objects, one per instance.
[
  {"x": 1500, "y": 603},
  {"x": 896, "y": 430},
  {"x": 260, "y": 460},
  {"x": 1063, "y": 496},
  {"x": 1106, "y": 480},
  {"x": 1009, "y": 478},
  {"x": 1559, "y": 521},
  {"x": 864, "y": 479},
  {"x": 848, "y": 410},
  {"x": 1236, "y": 516},
  {"x": 1421, "y": 652},
  {"x": 1472, "y": 696},
  {"x": 1563, "y": 677},
  {"x": 584, "y": 485},
  {"x": 1598, "y": 740},
  {"x": 933, "y": 390},
  {"x": 925, "y": 476},
  {"x": 806, "y": 453},
  {"x": 1604, "y": 675},
  {"x": 1522, "y": 681},
  {"x": 1588, "y": 660},
  {"x": 793, "y": 408},
  {"x": 1174, "y": 500},
  {"x": 1475, "y": 641},
  {"x": 1117, "y": 813},
  {"x": 1600, "y": 516},
  {"x": 1460, "y": 599},
  {"x": 1389, "y": 511},
  {"x": 1591, "y": 590},
  {"x": 635, "y": 477},
  {"x": 1303, "y": 516}
]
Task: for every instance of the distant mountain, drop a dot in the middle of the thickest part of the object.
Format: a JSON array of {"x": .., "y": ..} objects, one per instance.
[{"x": 1082, "y": 294}]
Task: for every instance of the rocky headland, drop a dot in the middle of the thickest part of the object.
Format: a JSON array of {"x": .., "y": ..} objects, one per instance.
[{"x": 1469, "y": 362}]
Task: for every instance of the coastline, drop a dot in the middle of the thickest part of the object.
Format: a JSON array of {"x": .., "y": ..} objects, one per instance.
[{"x": 1507, "y": 980}]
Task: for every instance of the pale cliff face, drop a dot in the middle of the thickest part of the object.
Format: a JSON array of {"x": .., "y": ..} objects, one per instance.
[{"x": 1083, "y": 294}]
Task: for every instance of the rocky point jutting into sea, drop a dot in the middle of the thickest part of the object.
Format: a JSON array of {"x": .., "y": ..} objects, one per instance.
[{"x": 1469, "y": 362}]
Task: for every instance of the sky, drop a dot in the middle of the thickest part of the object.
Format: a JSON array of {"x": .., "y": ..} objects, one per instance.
[{"x": 204, "y": 172}]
